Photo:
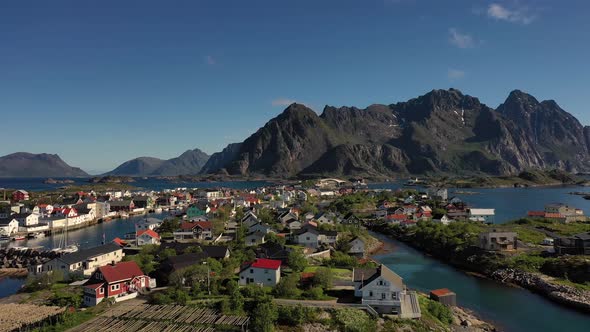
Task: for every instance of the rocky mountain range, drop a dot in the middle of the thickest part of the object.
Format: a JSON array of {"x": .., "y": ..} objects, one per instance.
[
  {"x": 443, "y": 131},
  {"x": 23, "y": 164},
  {"x": 188, "y": 163}
]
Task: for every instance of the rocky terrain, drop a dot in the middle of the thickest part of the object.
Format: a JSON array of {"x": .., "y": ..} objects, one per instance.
[
  {"x": 441, "y": 132},
  {"x": 544, "y": 285},
  {"x": 22, "y": 164}
]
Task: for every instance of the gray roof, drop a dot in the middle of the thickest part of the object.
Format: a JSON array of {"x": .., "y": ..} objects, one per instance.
[
  {"x": 366, "y": 276},
  {"x": 5, "y": 221},
  {"x": 82, "y": 255}
]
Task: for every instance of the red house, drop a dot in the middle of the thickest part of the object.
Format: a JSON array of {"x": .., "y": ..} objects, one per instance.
[
  {"x": 120, "y": 281},
  {"x": 20, "y": 195}
]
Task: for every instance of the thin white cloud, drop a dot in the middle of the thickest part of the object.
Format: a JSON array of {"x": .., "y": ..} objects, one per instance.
[
  {"x": 520, "y": 15},
  {"x": 455, "y": 74},
  {"x": 459, "y": 39},
  {"x": 210, "y": 60},
  {"x": 282, "y": 102}
]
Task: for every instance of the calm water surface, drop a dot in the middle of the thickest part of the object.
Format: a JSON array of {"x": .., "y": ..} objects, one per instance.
[{"x": 509, "y": 308}]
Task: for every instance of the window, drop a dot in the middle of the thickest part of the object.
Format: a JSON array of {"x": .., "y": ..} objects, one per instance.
[
  {"x": 251, "y": 270},
  {"x": 383, "y": 296},
  {"x": 101, "y": 290},
  {"x": 115, "y": 287},
  {"x": 371, "y": 293},
  {"x": 265, "y": 271},
  {"x": 394, "y": 296}
]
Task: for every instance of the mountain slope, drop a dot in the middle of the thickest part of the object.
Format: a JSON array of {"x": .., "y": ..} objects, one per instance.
[
  {"x": 142, "y": 166},
  {"x": 443, "y": 131},
  {"x": 22, "y": 164},
  {"x": 219, "y": 160},
  {"x": 188, "y": 163}
]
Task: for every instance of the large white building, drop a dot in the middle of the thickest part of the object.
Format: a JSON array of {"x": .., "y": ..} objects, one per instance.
[
  {"x": 384, "y": 291},
  {"x": 266, "y": 272},
  {"x": 82, "y": 262}
]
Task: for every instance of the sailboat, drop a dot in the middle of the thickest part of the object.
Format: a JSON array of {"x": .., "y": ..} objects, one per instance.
[{"x": 64, "y": 247}]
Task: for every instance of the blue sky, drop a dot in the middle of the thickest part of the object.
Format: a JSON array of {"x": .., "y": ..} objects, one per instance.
[{"x": 101, "y": 82}]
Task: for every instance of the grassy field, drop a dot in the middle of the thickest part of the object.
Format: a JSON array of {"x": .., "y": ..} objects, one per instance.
[{"x": 337, "y": 273}]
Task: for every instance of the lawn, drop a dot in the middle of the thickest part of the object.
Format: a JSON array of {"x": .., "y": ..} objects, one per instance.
[{"x": 337, "y": 273}]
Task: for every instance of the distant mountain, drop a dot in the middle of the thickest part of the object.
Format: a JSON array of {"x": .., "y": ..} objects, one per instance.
[
  {"x": 22, "y": 164},
  {"x": 443, "y": 131},
  {"x": 142, "y": 166},
  {"x": 188, "y": 163}
]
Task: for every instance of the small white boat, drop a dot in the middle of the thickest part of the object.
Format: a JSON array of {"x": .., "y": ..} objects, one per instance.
[
  {"x": 158, "y": 210},
  {"x": 70, "y": 249},
  {"x": 123, "y": 215}
]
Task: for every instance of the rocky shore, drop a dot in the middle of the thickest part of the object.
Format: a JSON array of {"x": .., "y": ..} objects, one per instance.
[{"x": 544, "y": 285}]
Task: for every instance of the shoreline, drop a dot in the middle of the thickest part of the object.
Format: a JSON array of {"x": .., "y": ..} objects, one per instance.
[{"x": 566, "y": 296}]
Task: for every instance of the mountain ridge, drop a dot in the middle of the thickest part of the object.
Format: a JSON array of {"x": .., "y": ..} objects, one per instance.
[{"x": 25, "y": 164}]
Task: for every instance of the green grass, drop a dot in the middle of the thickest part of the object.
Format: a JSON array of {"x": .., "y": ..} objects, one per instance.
[
  {"x": 337, "y": 273},
  {"x": 584, "y": 287},
  {"x": 73, "y": 319}
]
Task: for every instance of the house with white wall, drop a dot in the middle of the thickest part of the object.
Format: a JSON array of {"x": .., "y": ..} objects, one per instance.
[{"x": 262, "y": 271}]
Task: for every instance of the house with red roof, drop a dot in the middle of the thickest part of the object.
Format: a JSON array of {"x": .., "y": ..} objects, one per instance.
[
  {"x": 120, "y": 281},
  {"x": 262, "y": 271},
  {"x": 147, "y": 236},
  {"x": 200, "y": 230}
]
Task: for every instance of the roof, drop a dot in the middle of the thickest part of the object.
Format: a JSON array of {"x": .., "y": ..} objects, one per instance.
[
  {"x": 365, "y": 276},
  {"x": 191, "y": 225},
  {"x": 94, "y": 286},
  {"x": 482, "y": 212},
  {"x": 6, "y": 221},
  {"x": 148, "y": 232},
  {"x": 441, "y": 292},
  {"x": 263, "y": 263},
  {"x": 120, "y": 271},
  {"x": 185, "y": 260},
  {"x": 120, "y": 203},
  {"x": 85, "y": 254},
  {"x": 120, "y": 242},
  {"x": 215, "y": 251}
]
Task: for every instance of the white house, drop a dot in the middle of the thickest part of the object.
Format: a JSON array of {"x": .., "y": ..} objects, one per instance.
[
  {"x": 357, "y": 247},
  {"x": 445, "y": 220},
  {"x": 83, "y": 261},
  {"x": 384, "y": 291},
  {"x": 266, "y": 272},
  {"x": 148, "y": 223},
  {"x": 307, "y": 236},
  {"x": 482, "y": 215},
  {"x": 255, "y": 238},
  {"x": 147, "y": 236},
  {"x": 26, "y": 219},
  {"x": 8, "y": 226}
]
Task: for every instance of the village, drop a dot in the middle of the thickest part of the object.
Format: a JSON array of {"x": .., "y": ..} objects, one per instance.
[{"x": 235, "y": 251}]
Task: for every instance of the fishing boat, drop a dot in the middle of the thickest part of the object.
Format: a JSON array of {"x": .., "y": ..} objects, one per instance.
[
  {"x": 70, "y": 249},
  {"x": 19, "y": 238},
  {"x": 36, "y": 235}
]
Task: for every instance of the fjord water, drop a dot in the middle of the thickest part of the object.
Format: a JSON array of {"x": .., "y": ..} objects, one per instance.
[{"x": 509, "y": 308}]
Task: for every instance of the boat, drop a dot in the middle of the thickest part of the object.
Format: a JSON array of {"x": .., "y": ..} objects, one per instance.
[
  {"x": 36, "y": 235},
  {"x": 19, "y": 238},
  {"x": 123, "y": 215},
  {"x": 158, "y": 210},
  {"x": 70, "y": 249}
]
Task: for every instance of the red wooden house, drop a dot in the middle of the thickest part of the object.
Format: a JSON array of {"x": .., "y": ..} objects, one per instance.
[
  {"x": 119, "y": 281},
  {"x": 20, "y": 195}
]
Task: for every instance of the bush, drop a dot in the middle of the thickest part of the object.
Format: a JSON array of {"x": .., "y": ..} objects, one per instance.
[
  {"x": 297, "y": 261},
  {"x": 252, "y": 291},
  {"x": 440, "y": 311},
  {"x": 287, "y": 287},
  {"x": 65, "y": 299},
  {"x": 315, "y": 293},
  {"x": 293, "y": 316},
  {"x": 354, "y": 320},
  {"x": 323, "y": 278}
]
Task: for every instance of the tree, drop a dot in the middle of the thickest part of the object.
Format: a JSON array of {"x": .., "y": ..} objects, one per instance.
[
  {"x": 164, "y": 254},
  {"x": 297, "y": 261},
  {"x": 287, "y": 287},
  {"x": 323, "y": 278},
  {"x": 265, "y": 314}
]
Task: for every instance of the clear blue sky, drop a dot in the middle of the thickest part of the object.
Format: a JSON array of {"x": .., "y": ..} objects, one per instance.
[{"x": 101, "y": 82}]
